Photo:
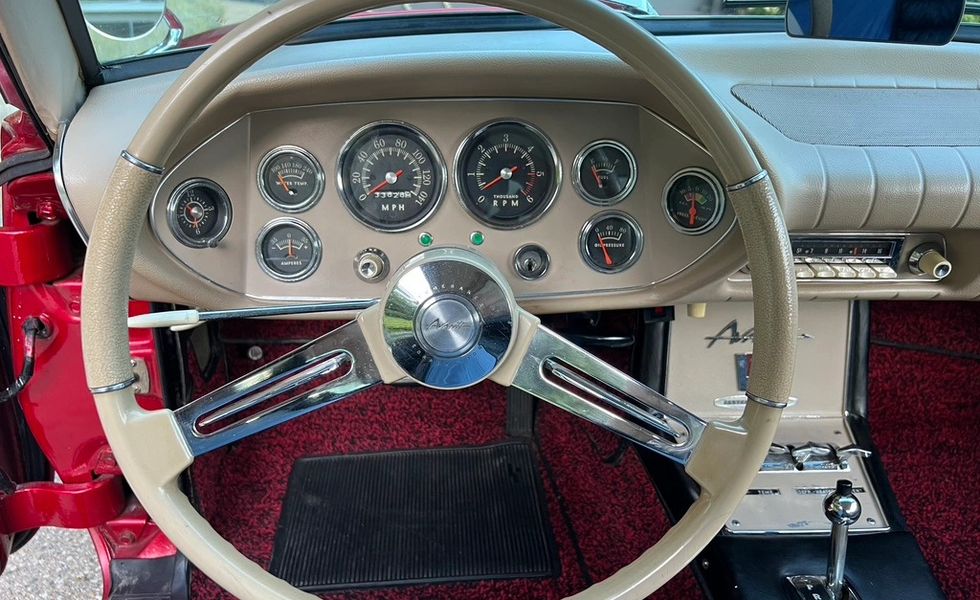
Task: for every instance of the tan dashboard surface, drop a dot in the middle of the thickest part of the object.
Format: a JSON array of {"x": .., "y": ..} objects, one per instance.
[{"x": 822, "y": 187}]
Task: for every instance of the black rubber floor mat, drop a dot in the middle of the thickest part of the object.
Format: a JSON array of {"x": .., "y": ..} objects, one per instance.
[{"x": 419, "y": 516}]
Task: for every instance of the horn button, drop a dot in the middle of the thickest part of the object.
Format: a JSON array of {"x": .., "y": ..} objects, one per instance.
[
  {"x": 448, "y": 318},
  {"x": 448, "y": 326}
]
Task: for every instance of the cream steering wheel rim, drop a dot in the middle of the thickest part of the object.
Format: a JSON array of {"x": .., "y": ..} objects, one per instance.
[{"x": 150, "y": 448}]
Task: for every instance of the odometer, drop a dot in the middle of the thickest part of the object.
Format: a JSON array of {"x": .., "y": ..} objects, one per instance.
[
  {"x": 391, "y": 177},
  {"x": 508, "y": 174},
  {"x": 693, "y": 201}
]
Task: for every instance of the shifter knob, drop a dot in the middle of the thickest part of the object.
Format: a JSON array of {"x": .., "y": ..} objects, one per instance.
[{"x": 842, "y": 507}]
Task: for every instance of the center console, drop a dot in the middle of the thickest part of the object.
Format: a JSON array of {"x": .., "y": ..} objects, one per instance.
[{"x": 777, "y": 543}]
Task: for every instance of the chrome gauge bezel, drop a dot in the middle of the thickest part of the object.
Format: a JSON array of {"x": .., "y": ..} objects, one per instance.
[
  {"x": 712, "y": 181},
  {"x": 226, "y": 218},
  {"x": 308, "y": 230},
  {"x": 435, "y": 156},
  {"x": 318, "y": 187},
  {"x": 460, "y": 176},
  {"x": 577, "y": 173},
  {"x": 584, "y": 241}
]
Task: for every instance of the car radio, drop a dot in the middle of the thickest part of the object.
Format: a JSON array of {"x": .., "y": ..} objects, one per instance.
[{"x": 869, "y": 257}]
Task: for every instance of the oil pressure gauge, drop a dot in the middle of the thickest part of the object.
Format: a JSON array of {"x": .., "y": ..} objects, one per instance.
[
  {"x": 199, "y": 213},
  {"x": 288, "y": 249},
  {"x": 611, "y": 242}
]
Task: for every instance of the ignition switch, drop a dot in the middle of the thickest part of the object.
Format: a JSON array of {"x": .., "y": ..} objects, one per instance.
[
  {"x": 531, "y": 262},
  {"x": 371, "y": 265}
]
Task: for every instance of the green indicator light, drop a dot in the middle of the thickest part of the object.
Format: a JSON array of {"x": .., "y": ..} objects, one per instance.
[
  {"x": 477, "y": 238},
  {"x": 425, "y": 239}
]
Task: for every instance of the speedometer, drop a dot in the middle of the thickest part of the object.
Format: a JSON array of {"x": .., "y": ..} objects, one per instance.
[
  {"x": 390, "y": 176},
  {"x": 508, "y": 174}
]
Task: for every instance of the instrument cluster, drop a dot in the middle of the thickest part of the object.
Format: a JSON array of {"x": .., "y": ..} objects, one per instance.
[{"x": 391, "y": 177}]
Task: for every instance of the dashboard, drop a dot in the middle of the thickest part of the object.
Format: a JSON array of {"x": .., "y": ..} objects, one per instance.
[
  {"x": 385, "y": 150},
  {"x": 322, "y": 202}
]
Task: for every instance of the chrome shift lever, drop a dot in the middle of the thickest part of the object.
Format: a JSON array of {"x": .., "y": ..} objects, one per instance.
[{"x": 843, "y": 509}]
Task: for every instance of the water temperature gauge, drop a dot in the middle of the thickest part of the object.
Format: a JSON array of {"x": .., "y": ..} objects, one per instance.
[
  {"x": 288, "y": 249},
  {"x": 290, "y": 179},
  {"x": 611, "y": 242}
]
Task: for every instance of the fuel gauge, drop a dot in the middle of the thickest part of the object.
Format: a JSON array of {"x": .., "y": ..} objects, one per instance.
[
  {"x": 605, "y": 173},
  {"x": 288, "y": 249},
  {"x": 611, "y": 242}
]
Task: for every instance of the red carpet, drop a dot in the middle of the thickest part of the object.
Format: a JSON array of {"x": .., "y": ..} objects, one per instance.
[
  {"x": 925, "y": 415},
  {"x": 602, "y": 516}
]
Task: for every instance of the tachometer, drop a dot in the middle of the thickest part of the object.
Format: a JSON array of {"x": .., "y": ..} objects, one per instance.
[
  {"x": 508, "y": 174},
  {"x": 693, "y": 201},
  {"x": 199, "y": 213},
  {"x": 390, "y": 176},
  {"x": 290, "y": 179}
]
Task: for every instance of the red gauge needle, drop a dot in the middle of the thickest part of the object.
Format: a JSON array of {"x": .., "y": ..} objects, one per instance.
[
  {"x": 289, "y": 250},
  {"x": 694, "y": 209},
  {"x": 499, "y": 179},
  {"x": 605, "y": 252},
  {"x": 283, "y": 183},
  {"x": 595, "y": 174},
  {"x": 385, "y": 183}
]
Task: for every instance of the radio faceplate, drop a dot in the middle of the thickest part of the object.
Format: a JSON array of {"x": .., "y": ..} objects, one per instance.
[{"x": 852, "y": 257}]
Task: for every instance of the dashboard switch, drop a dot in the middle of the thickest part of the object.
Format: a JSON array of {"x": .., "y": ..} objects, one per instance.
[
  {"x": 531, "y": 262},
  {"x": 371, "y": 265}
]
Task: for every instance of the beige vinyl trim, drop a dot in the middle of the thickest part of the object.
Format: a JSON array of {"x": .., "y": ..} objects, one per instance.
[
  {"x": 147, "y": 445},
  {"x": 44, "y": 58}
]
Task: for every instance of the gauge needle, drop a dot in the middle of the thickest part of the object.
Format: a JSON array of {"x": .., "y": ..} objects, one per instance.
[
  {"x": 694, "y": 209},
  {"x": 289, "y": 250},
  {"x": 598, "y": 180},
  {"x": 385, "y": 183},
  {"x": 605, "y": 252},
  {"x": 500, "y": 178},
  {"x": 283, "y": 183}
]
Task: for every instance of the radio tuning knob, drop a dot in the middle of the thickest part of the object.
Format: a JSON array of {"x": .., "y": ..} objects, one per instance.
[{"x": 928, "y": 260}]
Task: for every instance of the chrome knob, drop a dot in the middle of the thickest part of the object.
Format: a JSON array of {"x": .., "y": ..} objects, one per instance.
[
  {"x": 842, "y": 509},
  {"x": 371, "y": 265},
  {"x": 928, "y": 260}
]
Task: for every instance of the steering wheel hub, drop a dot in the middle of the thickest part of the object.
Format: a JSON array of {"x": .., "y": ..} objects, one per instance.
[{"x": 449, "y": 318}]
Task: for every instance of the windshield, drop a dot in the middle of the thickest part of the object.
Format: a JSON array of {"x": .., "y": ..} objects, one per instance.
[{"x": 130, "y": 29}]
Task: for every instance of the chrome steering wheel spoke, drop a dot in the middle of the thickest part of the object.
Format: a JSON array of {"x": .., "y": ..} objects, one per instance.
[
  {"x": 567, "y": 376},
  {"x": 289, "y": 386}
]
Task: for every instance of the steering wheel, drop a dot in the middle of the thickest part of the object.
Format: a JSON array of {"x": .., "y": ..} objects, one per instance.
[{"x": 448, "y": 320}]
